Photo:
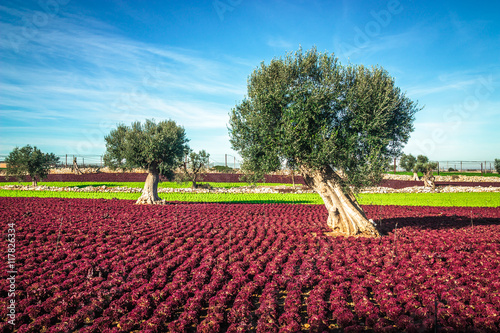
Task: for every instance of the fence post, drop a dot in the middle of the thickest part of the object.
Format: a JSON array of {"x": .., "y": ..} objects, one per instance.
[
  {"x": 66, "y": 160},
  {"x": 226, "y": 159},
  {"x": 438, "y": 168},
  {"x": 461, "y": 169},
  {"x": 394, "y": 165}
]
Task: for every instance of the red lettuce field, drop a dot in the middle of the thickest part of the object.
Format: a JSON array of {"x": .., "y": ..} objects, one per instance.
[{"x": 112, "y": 266}]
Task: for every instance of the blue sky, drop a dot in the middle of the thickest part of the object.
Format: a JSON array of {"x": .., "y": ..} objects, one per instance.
[{"x": 70, "y": 70}]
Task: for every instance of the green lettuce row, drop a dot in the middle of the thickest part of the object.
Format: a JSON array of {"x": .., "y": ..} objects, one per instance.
[{"x": 485, "y": 199}]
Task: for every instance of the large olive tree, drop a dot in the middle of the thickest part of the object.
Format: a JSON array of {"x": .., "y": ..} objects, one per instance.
[
  {"x": 158, "y": 148},
  {"x": 338, "y": 125},
  {"x": 29, "y": 161}
]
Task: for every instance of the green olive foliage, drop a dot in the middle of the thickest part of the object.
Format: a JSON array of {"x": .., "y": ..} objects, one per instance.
[
  {"x": 29, "y": 161},
  {"x": 194, "y": 165},
  {"x": 420, "y": 163},
  {"x": 408, "y": 162},
  {"x": 150, "y": 146},
  {"x": 309, "y": 111}
]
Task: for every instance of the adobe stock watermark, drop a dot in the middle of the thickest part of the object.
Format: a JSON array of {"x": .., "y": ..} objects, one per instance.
[
  {"x": 223, "y": 6},
  {"x": 35, "y": 21},
  {"x": 372, "y": 29},
  {"x": 11, "y": 273},
  {"x": 456, "y": 115},
  {"x": 126, "y": 104}
]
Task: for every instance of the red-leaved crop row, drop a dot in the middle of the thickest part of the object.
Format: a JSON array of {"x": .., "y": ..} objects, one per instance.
[
  {"x": 112, "y": 266},
  {"x": 140, "y": 177}
]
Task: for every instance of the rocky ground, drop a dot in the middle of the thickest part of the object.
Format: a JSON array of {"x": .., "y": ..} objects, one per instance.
[
  {"x": 454, "y": 178},
  {"x": 252, "y": 189},
  {"x": 279, "y": 189}
]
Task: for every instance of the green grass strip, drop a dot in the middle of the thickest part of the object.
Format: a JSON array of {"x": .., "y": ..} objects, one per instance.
[
  {"x": 138, "y": 184},
  {"x": 485, "y": 199},
  {"x": 461, "y": 199}
]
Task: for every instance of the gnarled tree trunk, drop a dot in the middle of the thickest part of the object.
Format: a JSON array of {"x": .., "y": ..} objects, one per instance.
[
  {"x": 76, "y": 170},
  {"x": 415, "y": 176},
  {"x": 150, "y": 191},
  {"x": 193, "y": 181},
  {"x": 344, "y": 213},
  {"x": 429, "y": 180}
]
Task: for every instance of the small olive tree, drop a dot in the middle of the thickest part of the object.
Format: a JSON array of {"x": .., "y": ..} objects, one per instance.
[
  {"x": 419, "y": 164},
  {"x": 408, "y": 163},
  {"x": 158, "y": 148},
  {"x": 29, "y": 161},
  {"x": 194, "y": 166},
  {"x": 426, "y": 167},
  {"x": 338, "y": 125},
  {"x": 497, "y": 165}
]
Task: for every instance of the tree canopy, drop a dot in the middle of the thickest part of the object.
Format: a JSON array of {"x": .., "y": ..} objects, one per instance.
[
  {"x": 29, "y": 161},
  {"x": 408, "y": 162},
  {"x": 414, "y": 164},
  {"x": 419, "y": 164},
  {"x": 308, "y": 110},
  {"x": 159, "y": 146}
]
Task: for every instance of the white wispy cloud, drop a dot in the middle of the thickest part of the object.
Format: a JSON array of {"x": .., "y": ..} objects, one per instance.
[
  {"x": 80, "y": 70},
  {"x": 361, "y": 45},
  {"x": 459, "y": 81},
  {"x": 439, "y": 87},
  {"x": 279, "y": 42}
]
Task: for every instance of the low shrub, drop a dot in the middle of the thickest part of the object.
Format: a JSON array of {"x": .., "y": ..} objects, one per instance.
[{"x": 222, "y": 168}]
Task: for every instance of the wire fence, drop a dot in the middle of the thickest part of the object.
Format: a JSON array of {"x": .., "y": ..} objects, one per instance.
[
  {"x": 457, "y": 166},
  {"x": 96, "y": 161},
  {"x": 227, "y": 160},
  {"x": 234, "y": 162}
]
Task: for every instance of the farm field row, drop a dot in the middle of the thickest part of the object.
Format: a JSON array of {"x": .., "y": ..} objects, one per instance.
[
  {"x": 141, "y": 177},
  {"x": 486, "y": 199},
  {"x": 469, "y": 174},
  {"x": 140, "y": 184},
  {"x": 109, "y": 265}
]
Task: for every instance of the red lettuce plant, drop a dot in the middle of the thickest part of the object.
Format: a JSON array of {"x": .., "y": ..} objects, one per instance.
[{"x": 117, "y": 267}]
